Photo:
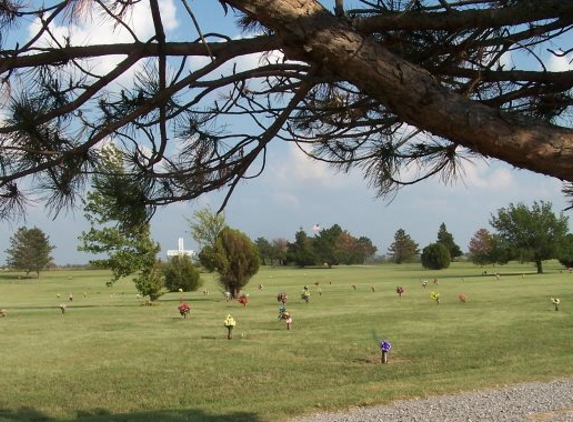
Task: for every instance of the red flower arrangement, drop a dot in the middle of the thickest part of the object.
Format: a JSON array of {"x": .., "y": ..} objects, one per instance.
[
  {"x": 243, "y": 300},
  {"x": 400, "y": 290},
  {"x": 184, "y": 309}
]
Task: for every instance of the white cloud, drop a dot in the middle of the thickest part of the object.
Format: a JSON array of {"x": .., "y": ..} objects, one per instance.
[
  {"x": 480, "y": 174},
  {"x": 253, "y": 61},
  {"x": 291, "y": 169},
  {"x": 506, "y": 61},
  {"x": 287, "y": 200},
  {"x": 91, "y": 30},
  {"x": 560, "y": 64}
]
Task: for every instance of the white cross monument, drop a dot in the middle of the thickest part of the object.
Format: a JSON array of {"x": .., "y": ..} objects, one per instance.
[{"x": 180, "y": 250}]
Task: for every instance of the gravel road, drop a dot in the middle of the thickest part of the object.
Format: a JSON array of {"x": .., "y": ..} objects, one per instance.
[{"x": 528, "y": 402}]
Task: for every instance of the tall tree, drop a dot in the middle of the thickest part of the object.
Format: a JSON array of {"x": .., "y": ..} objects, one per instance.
[
  {"x": 324, "y": 245},
  {"x": 532, "y": 234},
  {"x": 149, "y": 280},
  {"x": 403, "y": 249},
  {"x": 205, "y": 226},
  {"x": 365, "y": 249},
  {"x": 383, "y": 87},
  {"x": 236, "y": 259},
  {"x": 125, "y": 240},
  {"x": 351, "y": 250},
  {"x": 265, "y": 250},
  {"x": 300, "y": 252},
  {"x": 447, "y": 239},
  {"x": 29, "y": 251},
  {"x": 481, "y": 247},
  {"x": 279, "y": 250},
  {"x": 566, "y": 252}
]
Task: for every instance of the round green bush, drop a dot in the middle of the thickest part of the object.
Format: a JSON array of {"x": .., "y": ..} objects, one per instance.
[
  {"x": 436, "y": 256},
  {"x": 181, "y": 273}
]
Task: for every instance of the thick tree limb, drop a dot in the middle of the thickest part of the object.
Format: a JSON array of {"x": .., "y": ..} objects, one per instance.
[{"x": 312, "y": 34}]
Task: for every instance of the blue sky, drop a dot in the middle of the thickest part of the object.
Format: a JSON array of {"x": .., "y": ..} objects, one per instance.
[{"x": 295, "y": 192}]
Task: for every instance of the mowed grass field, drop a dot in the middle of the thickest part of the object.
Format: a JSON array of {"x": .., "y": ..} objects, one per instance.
[{"x": 109, "y": 358}]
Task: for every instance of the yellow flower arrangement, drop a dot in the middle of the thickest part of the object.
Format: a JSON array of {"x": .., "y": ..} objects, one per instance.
[
  {"x": 435, "y": 296},
  {"x": 230, "y": 324},
  {"x": 230, "y": 321}
]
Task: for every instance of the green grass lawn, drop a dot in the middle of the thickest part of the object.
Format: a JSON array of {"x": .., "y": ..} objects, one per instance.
[{"x": 108, "y": 358}]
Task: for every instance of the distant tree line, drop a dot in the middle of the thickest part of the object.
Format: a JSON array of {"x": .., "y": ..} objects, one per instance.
[
  {"x": 525, "y": 234},
  {"x": 437, "y": 255},
  {"x": 327, "y": 247}
]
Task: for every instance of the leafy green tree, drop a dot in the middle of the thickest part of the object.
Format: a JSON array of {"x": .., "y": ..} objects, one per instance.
[
  {"x": 447, "y": 239},
  {"x": 29, "y": 251},
  {"x": 300, "y": 252},
  {"x": 149, "y": 280},
  {"x": 205, "y": 226},
  {"x": 566, "y": 251},
  {"x": 351, "y": 250},
  {"x": 279, "y": 251},
  {"x": 207, "y": 258},
  {"x": 351, "y": 79},
  {"x": 236, "y": 259},
  {"x": 531, "y": 234},
  {"x": 265, "y": 250},
  {"x": 481, "y": 247},
  {"x": 181, "y": 273},
  {"x": 436, "y": 256},
  {"x": 324, "y": 245},
  {"x": 126, "y": 240},
  {"x": 403, "y": 249},
  {"x": 365, "y": 249}
]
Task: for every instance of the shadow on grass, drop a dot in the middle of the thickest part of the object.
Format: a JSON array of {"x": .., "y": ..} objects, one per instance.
[
  {"x": 19, "y": 277},
  {"x": 207, "y": 298},
  {"x": 29, "y": 414}
]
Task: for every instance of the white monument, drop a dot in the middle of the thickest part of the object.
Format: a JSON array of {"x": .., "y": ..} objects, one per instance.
[{"x": 180, "y": 250}]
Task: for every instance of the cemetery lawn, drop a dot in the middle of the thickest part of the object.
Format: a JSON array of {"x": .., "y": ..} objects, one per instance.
[{"x": 110, "y": 358}]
